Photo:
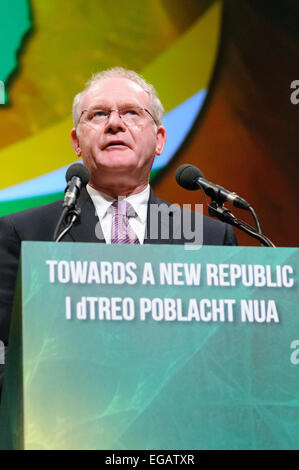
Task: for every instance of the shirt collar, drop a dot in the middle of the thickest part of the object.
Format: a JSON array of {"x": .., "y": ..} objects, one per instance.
[
  {"x": 139, "y": 203},
  {"x": 103, "y": 202}
]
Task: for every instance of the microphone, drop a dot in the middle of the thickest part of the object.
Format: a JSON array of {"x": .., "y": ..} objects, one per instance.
[
  {"x": 190, "y": 177},
  {"x": 77, "y": 176}
]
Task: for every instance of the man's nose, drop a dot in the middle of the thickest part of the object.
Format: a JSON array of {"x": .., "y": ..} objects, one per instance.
[{"x": 114, "y": 122}]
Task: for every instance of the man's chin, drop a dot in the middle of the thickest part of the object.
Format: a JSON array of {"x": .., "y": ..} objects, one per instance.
[{"x": 117, "y": 162}]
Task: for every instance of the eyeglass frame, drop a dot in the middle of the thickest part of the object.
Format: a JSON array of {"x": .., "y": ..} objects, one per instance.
[{"x": 118, "y": 111}]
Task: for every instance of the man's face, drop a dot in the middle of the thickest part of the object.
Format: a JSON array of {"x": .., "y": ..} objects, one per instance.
[{"x": 113, "y": 149}]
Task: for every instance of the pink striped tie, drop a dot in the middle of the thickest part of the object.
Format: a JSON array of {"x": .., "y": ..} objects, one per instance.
[{"x": 121, "y": 231}]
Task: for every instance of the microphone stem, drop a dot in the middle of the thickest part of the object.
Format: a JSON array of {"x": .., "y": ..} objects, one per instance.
[
  {"x": 226, "y": 216},
  {"x": 61, "y": 219},
  {"x": 259, "y": 236},
  {"x": 66, "y": 214},
  {"x": 67, "y": 228},
  {"x": 255, "y": 219}
]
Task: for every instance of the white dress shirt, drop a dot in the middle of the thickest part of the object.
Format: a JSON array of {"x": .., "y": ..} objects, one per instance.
[{"x": 103, "y": 202}]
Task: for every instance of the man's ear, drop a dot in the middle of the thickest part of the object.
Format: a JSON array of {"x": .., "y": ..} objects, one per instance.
[
  {"x": 75, "y": 142},
  {"x": 160, "y": 139}
]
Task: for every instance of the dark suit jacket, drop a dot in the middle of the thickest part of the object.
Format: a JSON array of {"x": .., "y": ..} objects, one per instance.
[{"x": 38, "y": 224}]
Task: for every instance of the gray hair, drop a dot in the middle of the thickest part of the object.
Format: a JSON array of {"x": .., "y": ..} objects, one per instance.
[{"x": 156, "y": 105}]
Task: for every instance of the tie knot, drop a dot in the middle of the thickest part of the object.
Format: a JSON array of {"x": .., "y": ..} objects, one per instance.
[
  {"x": 123, "y": 207},
  {"x": 122, "y": 231}
]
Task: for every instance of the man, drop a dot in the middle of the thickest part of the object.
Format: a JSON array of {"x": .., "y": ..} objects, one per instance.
[{"x": 118, "y": 132}]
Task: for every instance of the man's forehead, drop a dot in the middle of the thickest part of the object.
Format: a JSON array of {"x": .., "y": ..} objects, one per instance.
[{"x": 115, "y": 89}]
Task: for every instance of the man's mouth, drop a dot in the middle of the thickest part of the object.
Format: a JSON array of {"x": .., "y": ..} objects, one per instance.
[{"x": 115, "y": 143}]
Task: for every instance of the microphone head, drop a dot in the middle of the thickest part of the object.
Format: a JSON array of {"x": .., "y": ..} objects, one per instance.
[
  {"x": 186, "y": 176},
  {"x": 79, "y": 170}
]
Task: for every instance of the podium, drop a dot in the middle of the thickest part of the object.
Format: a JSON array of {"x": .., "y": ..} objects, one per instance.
[{"x": 153, "y": 347}]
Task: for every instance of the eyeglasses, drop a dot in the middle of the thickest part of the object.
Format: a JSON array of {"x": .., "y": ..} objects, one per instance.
[{"x": 130, "y": 116}]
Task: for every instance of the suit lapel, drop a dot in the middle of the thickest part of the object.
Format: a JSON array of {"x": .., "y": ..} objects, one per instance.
[
  {"x": 87, "y": 228},
  {"x": 165, "y": 225}
]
